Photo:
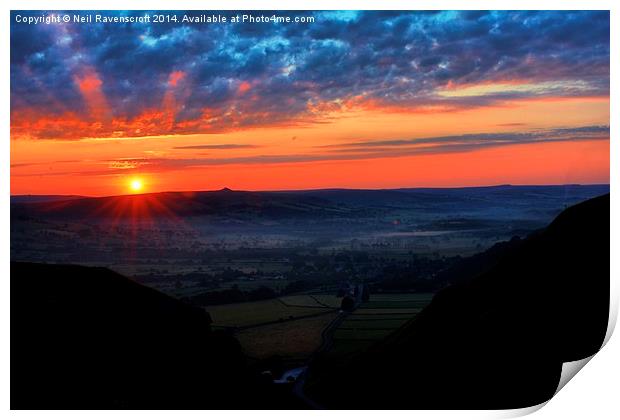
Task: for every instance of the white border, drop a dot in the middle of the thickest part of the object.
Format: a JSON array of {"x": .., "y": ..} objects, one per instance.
[{"x": 593, "y": 394}]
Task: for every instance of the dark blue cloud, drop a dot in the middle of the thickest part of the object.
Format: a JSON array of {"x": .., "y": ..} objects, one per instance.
[
  {"x": 392, "y": 58},
  {"x": 467, "y": 142}
]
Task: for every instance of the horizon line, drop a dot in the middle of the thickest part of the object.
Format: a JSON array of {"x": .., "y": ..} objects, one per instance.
[{"x": 316, "y": 189}]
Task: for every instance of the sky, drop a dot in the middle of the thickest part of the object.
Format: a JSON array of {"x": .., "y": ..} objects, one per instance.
[{"x": 350, "y": 100}]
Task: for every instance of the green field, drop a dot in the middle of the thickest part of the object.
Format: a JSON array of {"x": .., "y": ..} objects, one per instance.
[
  {"x": 291, "y": 340},
  {"x": 289, "y": 327},
  {"x": 252, "y": 313},
  {"x": 301, "y": 300},
  {"x": 315, "y": 301},
  {"x": 375, "y": 320},
  {"x": 329, "y": 300}
]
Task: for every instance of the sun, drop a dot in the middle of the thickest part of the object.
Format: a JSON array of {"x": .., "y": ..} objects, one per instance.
[{"x": 136, "y": 185}]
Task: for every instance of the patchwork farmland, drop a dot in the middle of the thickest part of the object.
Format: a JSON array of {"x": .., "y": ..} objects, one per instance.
[
  {"x": 294, "y": 327},
  {"x": 374, "y": 320}
]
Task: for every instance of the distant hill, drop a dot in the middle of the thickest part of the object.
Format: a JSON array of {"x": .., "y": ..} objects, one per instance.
[
  {"x": 502, "y": 202},
  {"x": 181, "y": 204},
  {"x": 498, "y": 340},
  {"x": 88, "y": 338},
  {"x": 15, "y": 199}
]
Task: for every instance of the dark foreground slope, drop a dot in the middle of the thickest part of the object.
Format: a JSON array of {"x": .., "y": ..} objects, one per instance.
[
  {"x": 90, "y": 338},
  {"x": 499, "y": 340}
]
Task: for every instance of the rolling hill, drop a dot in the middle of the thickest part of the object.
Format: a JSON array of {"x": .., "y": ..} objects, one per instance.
[
  {"x": 171, "y": 205},
  {"x": 500, "y": 202}
]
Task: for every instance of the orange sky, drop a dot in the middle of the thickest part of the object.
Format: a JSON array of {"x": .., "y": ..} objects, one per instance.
[
  {"x": 302, "y": 155},
  {"x": 347, "y": 99}
]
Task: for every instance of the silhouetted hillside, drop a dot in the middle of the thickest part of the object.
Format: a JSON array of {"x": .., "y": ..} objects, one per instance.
[
  {"x": 15, "y": 199},
  {"x": 173, "y": 205},
  {"x": 499, "y": 340},
  {"x": 90, "y": 338},
  {"x": 470, "y": 267}
]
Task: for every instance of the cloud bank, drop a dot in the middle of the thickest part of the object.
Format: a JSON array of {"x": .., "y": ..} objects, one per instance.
[{"x": 72, "y": 81}]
